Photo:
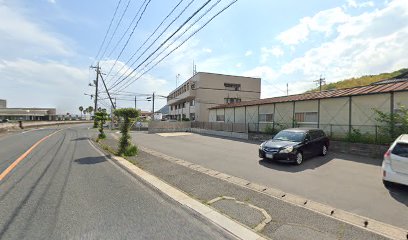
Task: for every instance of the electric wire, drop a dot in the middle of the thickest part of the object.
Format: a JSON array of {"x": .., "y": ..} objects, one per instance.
[
  {"x": 106, "y": 34},
  {"x": 195, "y": 32},
  {"x": 165, "y": 41},
  {"x": 144, "y": 43}
]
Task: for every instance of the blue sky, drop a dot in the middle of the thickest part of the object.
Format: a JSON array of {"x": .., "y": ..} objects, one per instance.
[{"x": 47, "y": 46}]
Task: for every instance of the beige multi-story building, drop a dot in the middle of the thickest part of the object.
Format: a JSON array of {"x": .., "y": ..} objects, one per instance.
[{"x": 194, "y": 97}]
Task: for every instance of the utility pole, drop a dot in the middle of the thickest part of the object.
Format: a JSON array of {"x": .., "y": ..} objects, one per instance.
[
  {"x": 135, "y": 103},
  {"x": 287, "y": 89},
  {"x": 153, "y": 104},
  {"x": 321, "y": 81},
  {"x": 96, "y": 89}
]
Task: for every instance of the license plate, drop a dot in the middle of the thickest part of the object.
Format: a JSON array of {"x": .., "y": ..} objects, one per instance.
[{"x": 269, "y": 155}]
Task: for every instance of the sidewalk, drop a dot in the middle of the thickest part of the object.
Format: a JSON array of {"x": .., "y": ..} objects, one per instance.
[{"x": 270, "y": 216}]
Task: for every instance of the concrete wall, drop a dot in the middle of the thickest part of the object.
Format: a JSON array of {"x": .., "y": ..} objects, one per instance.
[
  {"x": 10, "y": 126},
  {"x": 220, "y": 133},
  {"x": 229, "y": 115},
  {"x": 240, "y": 115},
  {"x": 159, "y": 126},
  {"x": 400, "y": 98},
  {"x": 284, "y": 114}
]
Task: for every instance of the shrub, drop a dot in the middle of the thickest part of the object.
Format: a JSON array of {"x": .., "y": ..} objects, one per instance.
[
  {"x": 130, "y": 150},
  {"x": 269, "y": 129},
  {"x": 127, "y": 114}
]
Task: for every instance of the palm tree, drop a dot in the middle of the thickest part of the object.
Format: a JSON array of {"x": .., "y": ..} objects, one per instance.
[
  {"x": 81, "y": 109},
  {"x": 90, "y": 109}
]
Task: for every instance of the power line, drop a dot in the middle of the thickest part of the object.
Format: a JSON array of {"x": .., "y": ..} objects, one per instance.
[
  {"x": 188, "y": 28},
  {"x": 116, "y": 28},
  {"x": 171, "y": 12},
  {"x": 162, "y": 44},
  {"x": 130, "y": 81},
  {"x": 157, "y": 38},
  {"x": 130, "y": 35},
  {"x": 106, "y": 34}
]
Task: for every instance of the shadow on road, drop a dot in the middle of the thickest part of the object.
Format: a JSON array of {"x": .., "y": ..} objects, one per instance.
[
  {"x": 398, "y": 192},
  {"x": 90, "y": 160},
  {"x": 80, "y": 139},
  {"x": 309, "y": 163}
]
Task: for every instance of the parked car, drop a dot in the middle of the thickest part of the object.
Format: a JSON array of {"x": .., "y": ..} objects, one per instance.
[
  {"x": 395, "y": 163},
  {"x": 295, "y": 144},
  {"x": 5, "y": 121}
]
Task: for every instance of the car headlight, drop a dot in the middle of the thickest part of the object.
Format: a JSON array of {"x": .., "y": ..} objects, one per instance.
[
  {"x": 261, "y": 146},
  {"x": 287, "y": 150}
]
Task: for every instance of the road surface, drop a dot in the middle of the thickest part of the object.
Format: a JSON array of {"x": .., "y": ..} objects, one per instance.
[
  {"x": 64, "y": 189},
  {"x": 340, "y": 180}
]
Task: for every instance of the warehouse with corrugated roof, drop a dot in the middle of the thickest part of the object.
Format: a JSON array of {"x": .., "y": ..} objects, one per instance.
[{"x": 338, "y": 112}]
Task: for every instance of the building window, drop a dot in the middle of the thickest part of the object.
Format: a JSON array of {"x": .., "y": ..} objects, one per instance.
[
  {"x": 232, "y": 86},
  {"x": 192, "y": 102},
  {"x": 232, "y": 100},
  {"x": 220, "y": 118},
  {"x": 306, "y": 117},
  {"x": 192, "y": 86},
  {"x": 266, "y": 117},
  {"x": 192, "y": 116},
  {"x": 184, "y": 104},
  {"x": 171, "y": 108}
]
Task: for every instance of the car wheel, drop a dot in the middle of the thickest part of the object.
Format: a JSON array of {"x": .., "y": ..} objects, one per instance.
[
  {"x": 299, "y": 158},
  {"x": 324, "y": 151}
]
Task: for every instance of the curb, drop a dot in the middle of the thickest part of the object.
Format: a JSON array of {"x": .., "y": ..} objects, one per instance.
[
  {"x": 361, "y": 222},
  {"x": 222, "y": 221}
]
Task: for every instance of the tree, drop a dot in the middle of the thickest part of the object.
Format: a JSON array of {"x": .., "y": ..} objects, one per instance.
[
  {"x": 393, "y": 124},
  {"x": 101, "y": 117},
  {"x": 81, "y": 109},
  {"x": 85, "y": 111},
  {"x": 90, "y": 110},
  {"x": 125, "y": 147}
]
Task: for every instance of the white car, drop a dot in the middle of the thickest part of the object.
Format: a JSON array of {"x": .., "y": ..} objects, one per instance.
[{"x": 395, "y": 164}]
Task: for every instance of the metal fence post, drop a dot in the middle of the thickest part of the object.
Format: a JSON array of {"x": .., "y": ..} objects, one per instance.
[
  {"x": 331, "y": 130},
  {"x": 376, "y": 134}
]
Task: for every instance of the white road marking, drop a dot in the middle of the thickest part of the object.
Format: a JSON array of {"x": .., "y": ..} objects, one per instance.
[{"x": 175, "y": 134}]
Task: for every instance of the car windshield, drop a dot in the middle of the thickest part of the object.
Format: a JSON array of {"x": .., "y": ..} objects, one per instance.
[{"x": 290, "y": 136}]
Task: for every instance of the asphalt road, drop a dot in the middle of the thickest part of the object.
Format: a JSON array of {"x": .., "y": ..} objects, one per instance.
[
  {"x": 64, "y": 189},
  {"x": 340, "y": 180}
]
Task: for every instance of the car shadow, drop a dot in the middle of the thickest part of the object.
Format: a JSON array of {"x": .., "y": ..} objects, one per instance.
[
  {"x": 308, "y": 163},
  {"x": 90, "y": 160},
  {"x": 398, "y": 192}
]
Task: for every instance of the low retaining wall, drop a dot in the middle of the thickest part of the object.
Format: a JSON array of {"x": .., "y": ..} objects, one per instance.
[
  {"x": 10, "y": 126},
  {"x": 158, "y": 127},
  {"x": 361, "y": 149},
  {"x": 220, "y": 133}
]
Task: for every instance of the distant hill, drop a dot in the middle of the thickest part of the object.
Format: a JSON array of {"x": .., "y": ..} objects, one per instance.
[{"x": 361, "y": 81}]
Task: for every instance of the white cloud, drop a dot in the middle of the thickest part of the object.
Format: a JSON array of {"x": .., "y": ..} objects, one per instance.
[
  {"x": 275, "y": 51},
  {"x": 21, "y": 37},
  {"x": 366, "y": 44},
  {"x": 248, "y": 53},
  {"x": 207, "y": 50},
  {"x": 264, "y": 72},
  {"x": 238, "y": 65},
  {"x": 354, "y": 4},
  {"x": 51, "y": 1},
  {"x": 47, "y": 84},
  {"x": 323, "y": 22}
]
